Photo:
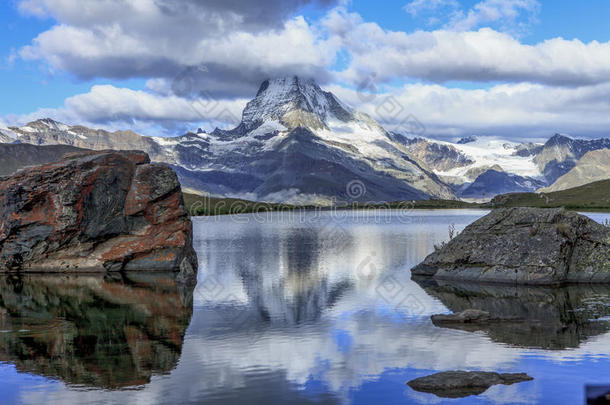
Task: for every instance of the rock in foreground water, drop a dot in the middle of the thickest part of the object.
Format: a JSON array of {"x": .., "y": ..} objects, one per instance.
[
  {"x": 525, "y": 246},
  {"x": 458, "y": 384},
  {"x": 95, "y": 211},
  {"x": 466, "y": 316}
]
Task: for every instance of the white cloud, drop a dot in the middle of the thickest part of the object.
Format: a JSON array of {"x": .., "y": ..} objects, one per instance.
[
  {"x": 479, "y": 56},
  {"x": 523, "y": 110},
  {"x": 508, "y": 15},
  {"x": 240, "y": 44},
  {"x": 489, "y": 11},
  {"x": 520, "y": 111},
  {"x": 416, "y": 7},
  {"x": 33, "y": 7},
  {"x": 220, "y": 15},
  {"x": 218, "y": 50},
  {"x": 116, "y": 108},
  {"x": 103, "y": 40}
]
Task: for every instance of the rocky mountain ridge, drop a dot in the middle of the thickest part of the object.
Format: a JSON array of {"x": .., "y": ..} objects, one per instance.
[
  {"x": 592, "y": 166},
  {"x": 561, "y": 153},
  {"x": 297, "y": 143}
]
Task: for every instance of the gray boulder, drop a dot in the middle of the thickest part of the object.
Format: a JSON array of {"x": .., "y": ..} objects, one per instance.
[
  {"x": 547, "y": 246},
  {"x": 458, "y": 384}
]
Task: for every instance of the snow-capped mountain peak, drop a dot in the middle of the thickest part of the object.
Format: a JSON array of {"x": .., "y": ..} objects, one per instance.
[
  {"x": 46, "y": 124},
  {"x": 7, "y": 135},
  {"x": 559, "y": 139},
  {"x": 467, "y": 139},
  {"x": 300, "y": 144},
  {"x": 293, "y": 102}
]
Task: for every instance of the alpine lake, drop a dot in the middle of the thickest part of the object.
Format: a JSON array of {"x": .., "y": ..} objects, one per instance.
[{"x": 300, "y": 307}]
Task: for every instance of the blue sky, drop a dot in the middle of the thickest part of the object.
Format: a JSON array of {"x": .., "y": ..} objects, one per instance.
[
  {"x": 513, "y": 68},
  {"x": 586, "y": 20},
  {"x": 30, "y": 85}
]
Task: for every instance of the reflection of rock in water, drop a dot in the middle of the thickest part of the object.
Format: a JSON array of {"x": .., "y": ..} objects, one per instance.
[
  {"x": 92, "y": 330},
  {"x": 549, "y": 318}
]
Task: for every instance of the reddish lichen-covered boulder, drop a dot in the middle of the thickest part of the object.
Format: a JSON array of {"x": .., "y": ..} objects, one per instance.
[{"x": 95, "y": 211}]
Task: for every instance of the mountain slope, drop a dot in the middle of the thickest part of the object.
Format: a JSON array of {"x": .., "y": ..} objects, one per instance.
[
  {"x": 5, "y": 138},
  {"x": 476, "y": 155},
  {"x": 592, "y": 196},
  {"x": 294, "y": 102},
  {"x": 593, "y": 166},
  {"x": 493, "y": 182},
  {"x": 7, "y": 135},
  {"x": 299, "y": 144},
  {"x": 17, "y": 156},
  {"x": 560, "y": 154},
  {"x": 436, "y": 156},
  {"x": 296, "y": 143},
  {"x": 49, "y": 132},
  {"x": 526, "y": 166}
]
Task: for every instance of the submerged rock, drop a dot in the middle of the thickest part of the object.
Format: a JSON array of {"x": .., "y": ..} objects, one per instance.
[
  {"x": 525, "y": 246},
  {"x": 466, "y": 316},
  {"x": 95, "y": 211},
  {"x": 458, "y": 384}
]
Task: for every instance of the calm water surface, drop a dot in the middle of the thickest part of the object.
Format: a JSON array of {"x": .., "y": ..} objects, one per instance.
[{"x": 295, "y": 309}]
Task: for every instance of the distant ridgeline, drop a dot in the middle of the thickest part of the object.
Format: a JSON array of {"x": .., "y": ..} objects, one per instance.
[
  {"x": 592, "y": 196},
  {"x": 300, "y": 145}
]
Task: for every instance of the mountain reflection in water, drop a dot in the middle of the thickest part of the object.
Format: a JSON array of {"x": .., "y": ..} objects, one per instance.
[{"x": 313, "y": 309}]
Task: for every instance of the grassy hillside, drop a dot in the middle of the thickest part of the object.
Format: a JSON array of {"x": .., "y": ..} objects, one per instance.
[
  {"x": 592, "y": 196},
  {"x": 418, "y": 204},
  {"x": 202, "y": 205}
]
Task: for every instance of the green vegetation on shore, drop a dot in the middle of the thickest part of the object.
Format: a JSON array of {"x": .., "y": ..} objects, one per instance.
[
  {"x": 590, "y": 197},
  {"x": 198, "y": 205},
  {"x": 203, "y": 205}
]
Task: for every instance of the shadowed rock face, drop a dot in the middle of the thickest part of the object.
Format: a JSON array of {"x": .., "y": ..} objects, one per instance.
[
  {"x": 593, "y": 166},
  {"x": 95, "y": 211},
  {"x": 493, "y": 182},
  {"x": 525, "y": 246},
  {"x": 94, "y": 330},
  {"x": 458, "y": 384},
  {"x": 438, "y": 157},
  {"x": 560, "y": 154},
  {"x": 528, "y": 316}
]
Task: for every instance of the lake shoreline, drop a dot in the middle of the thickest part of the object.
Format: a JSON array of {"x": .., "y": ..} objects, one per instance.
[
  {"x": 263, "y": 210},
  {"x": 592, "y": 197}
]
